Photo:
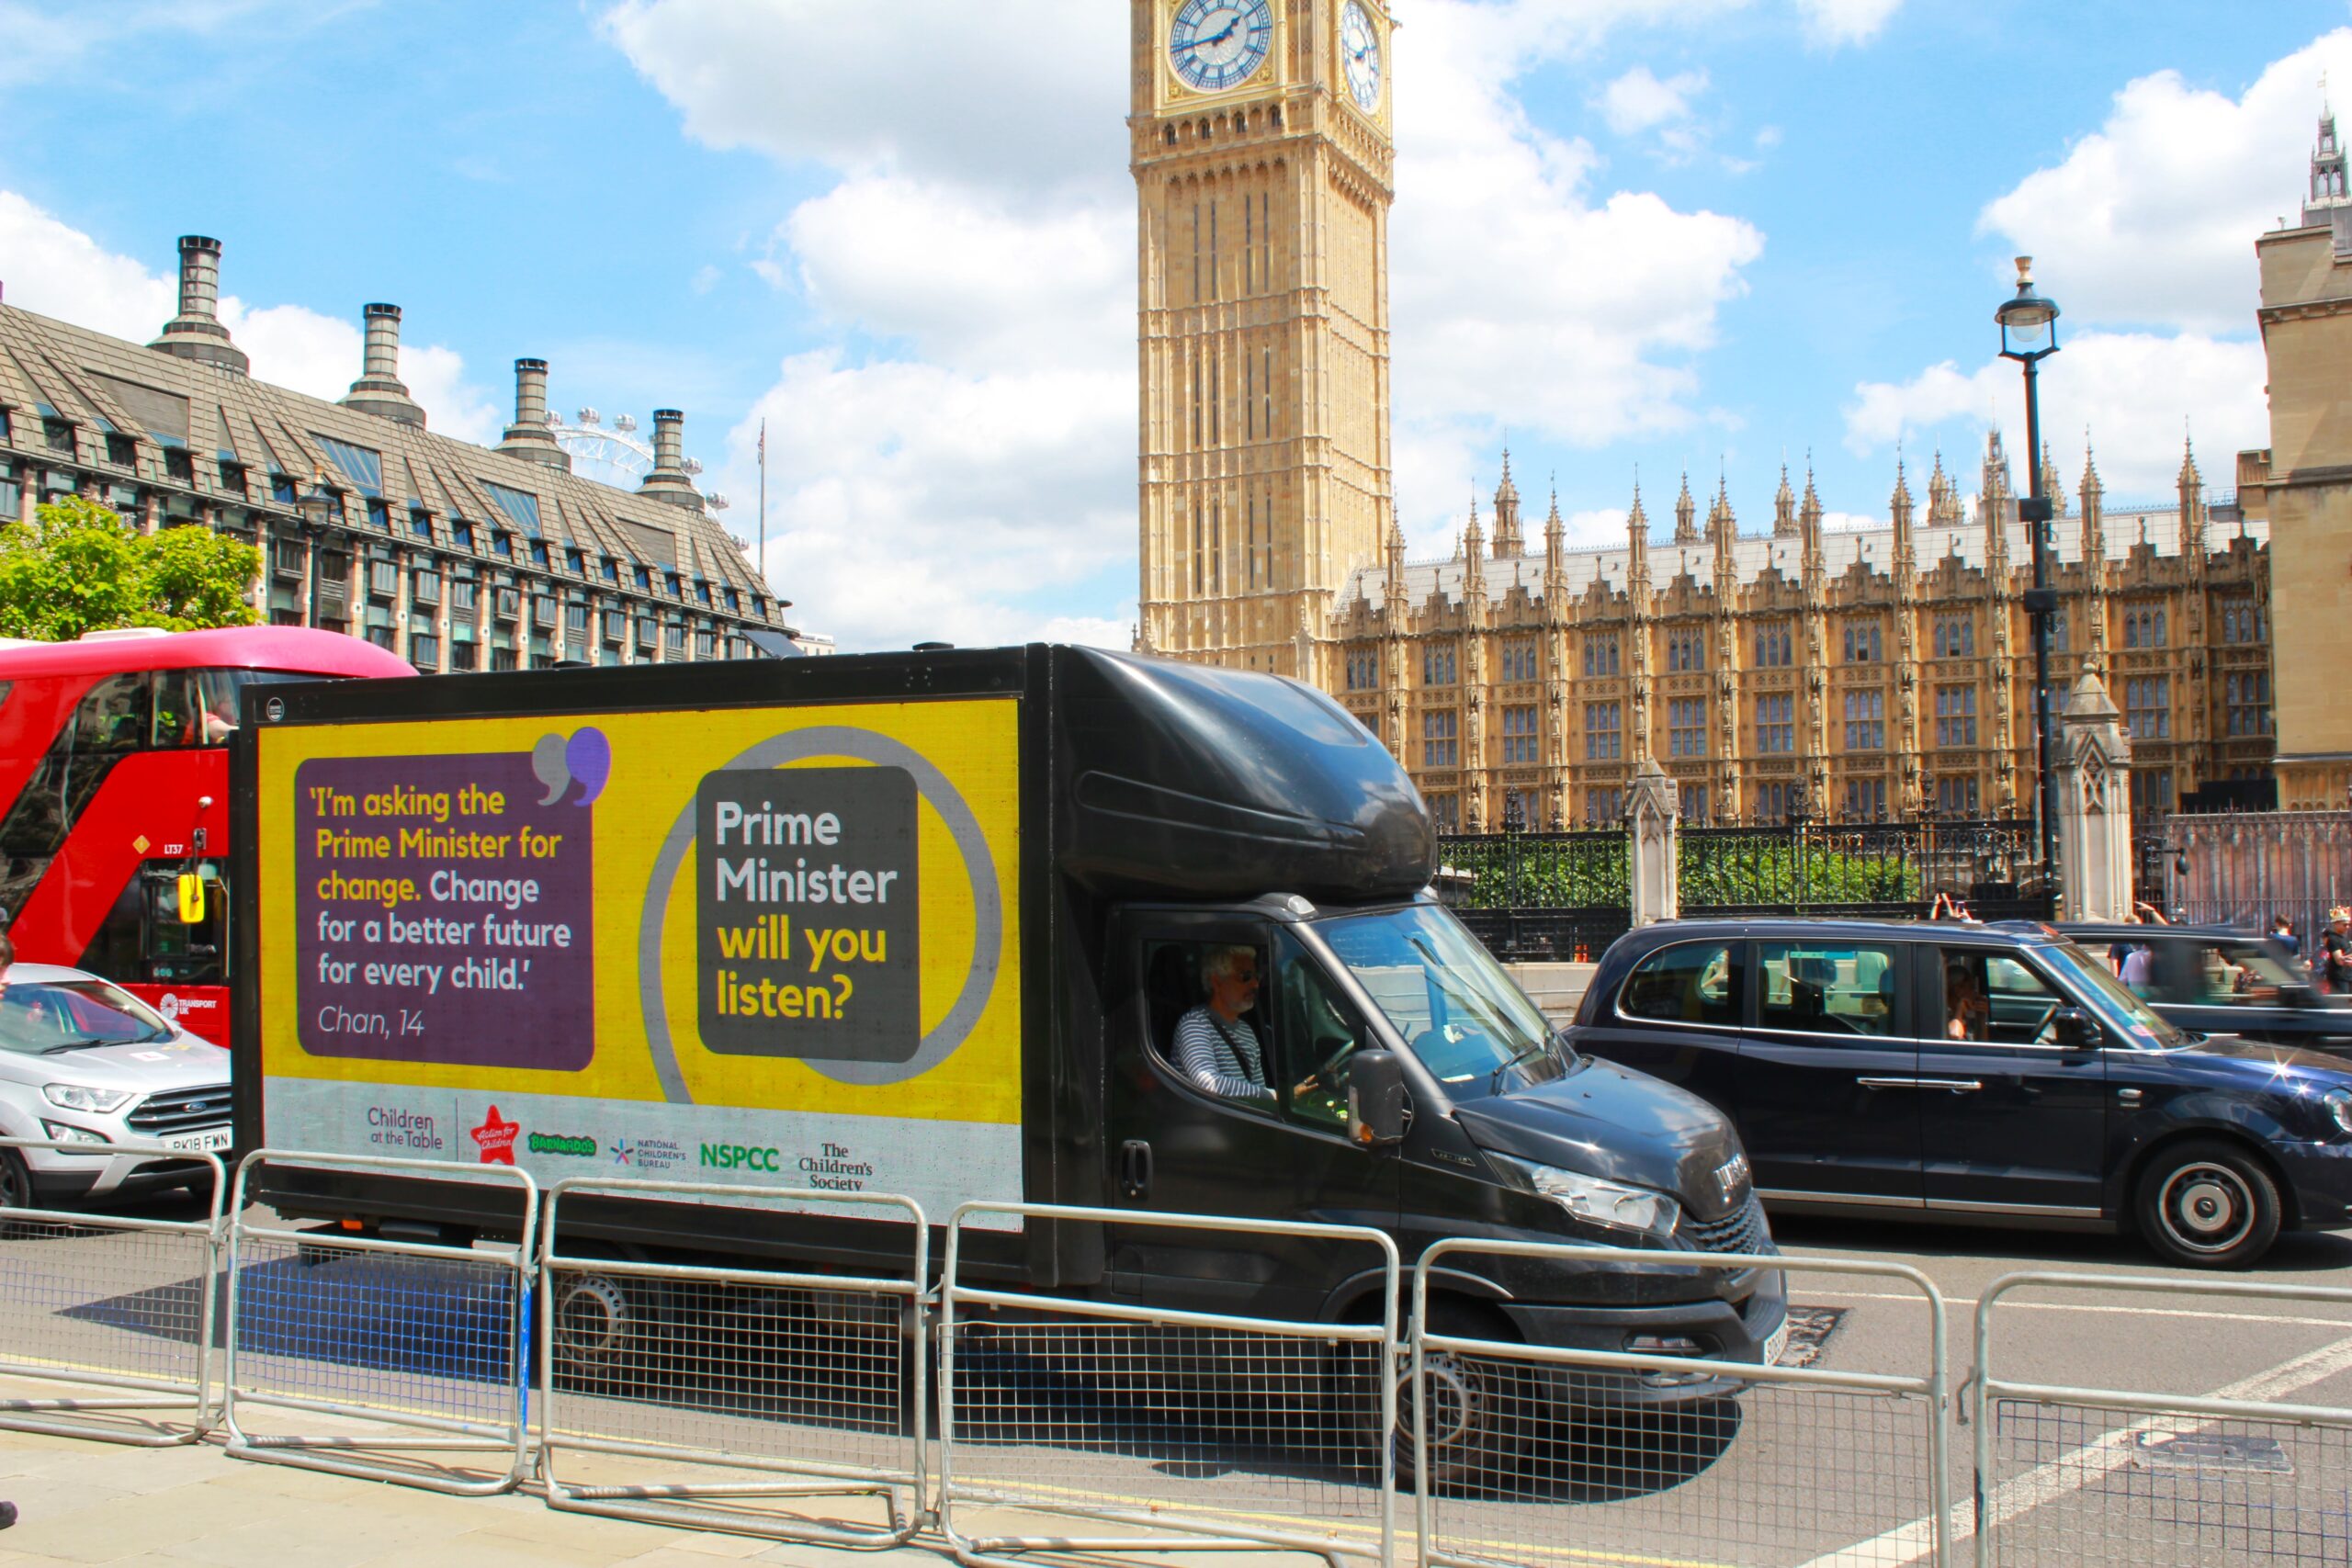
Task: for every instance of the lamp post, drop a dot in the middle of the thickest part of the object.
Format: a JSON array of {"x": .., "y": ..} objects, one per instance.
[
  {"x": 2030, "y": 335},
  {"x": 315, "y": 506}
]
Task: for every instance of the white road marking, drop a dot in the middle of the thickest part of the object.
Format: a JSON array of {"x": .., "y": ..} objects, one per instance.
[{"x": 2056, "y": 1478}]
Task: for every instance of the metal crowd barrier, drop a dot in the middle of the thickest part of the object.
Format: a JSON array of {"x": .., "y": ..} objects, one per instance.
[
  {"x": 2103, "y": 1475},
  {"x": 1211, "y": 1431},
  {"x": 723, "y": 1370},
  {"x": 1530, "y": 1455},
  {"x": 423, "y": 1339},
  {"x": 113, "y": 1302}
]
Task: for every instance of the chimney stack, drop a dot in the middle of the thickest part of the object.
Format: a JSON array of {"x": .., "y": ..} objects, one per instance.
[
  {"x": 530, "y": 437},
  {"x": 379, "y": 390},
  {"x": 668, "y": 481},
  {"x": 197, "y": 333}
]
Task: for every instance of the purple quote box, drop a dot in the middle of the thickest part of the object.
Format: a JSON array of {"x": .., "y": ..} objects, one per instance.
[{"x": 410, "y": 949}]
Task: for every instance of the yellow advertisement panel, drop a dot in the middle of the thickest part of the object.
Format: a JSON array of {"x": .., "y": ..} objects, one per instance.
[{"x": 773, "y": 945}]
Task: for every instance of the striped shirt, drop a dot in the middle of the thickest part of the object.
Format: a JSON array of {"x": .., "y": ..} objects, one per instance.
[{"x": 1223, "y": 1059}]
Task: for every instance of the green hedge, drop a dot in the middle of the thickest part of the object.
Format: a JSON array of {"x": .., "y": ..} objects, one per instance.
[{"x": 1772, "y": 871}]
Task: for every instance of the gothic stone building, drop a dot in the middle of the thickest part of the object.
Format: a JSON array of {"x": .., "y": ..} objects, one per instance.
[
  {"x": 1860, "y": 674},
  {"x": 456, "y": 557},
  {"x": 1868, "y": 674}
]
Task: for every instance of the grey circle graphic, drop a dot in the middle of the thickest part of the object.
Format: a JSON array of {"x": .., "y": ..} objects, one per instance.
[{"x": 963, "y": 827}]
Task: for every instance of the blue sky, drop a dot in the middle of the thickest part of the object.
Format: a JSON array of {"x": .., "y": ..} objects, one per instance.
[{"x": 1635, "y": 235}]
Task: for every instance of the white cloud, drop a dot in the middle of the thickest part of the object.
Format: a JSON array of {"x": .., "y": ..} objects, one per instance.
[
  {"x": 1570, "y": 315},
  {"x": 2149, "y": 220},
  {"x": 58, "y": 271},
  {"x": 1639, "y": 100},
  {"x": 2135, "y": 395},
  {"x": 981, "y": 229},
  {"x": 42, "y": 43},
  {"x": 907, "y": 501},
  {"x": 1830, "y": 23},
  {"x": 970, "y": 276},
  {"x": 1014, "y": 94}
]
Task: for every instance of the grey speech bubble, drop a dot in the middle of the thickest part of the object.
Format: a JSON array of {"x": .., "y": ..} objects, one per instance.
[{"x": 971, "y": 843}]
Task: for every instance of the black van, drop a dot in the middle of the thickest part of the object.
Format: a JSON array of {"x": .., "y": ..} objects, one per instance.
[
  {"x": 1168, "y": 820},
  {"x": 1995, "y": 1073}
]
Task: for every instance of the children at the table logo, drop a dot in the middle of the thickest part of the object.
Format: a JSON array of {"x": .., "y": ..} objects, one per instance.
[{"x": 497, "y": 1137}]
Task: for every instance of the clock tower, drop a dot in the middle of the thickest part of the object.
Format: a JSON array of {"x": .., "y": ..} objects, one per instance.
[{"x": 1264, "y": 170}]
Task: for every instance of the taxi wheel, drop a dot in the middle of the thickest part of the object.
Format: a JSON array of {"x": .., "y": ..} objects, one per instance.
[{"x": 2208, "y": 1204}]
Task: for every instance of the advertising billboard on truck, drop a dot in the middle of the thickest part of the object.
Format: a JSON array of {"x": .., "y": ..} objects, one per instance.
[{"x": 760, "y": 945}]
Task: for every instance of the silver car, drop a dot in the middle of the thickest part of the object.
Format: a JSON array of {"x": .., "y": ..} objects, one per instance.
[{"x": 86, "y": 1063}]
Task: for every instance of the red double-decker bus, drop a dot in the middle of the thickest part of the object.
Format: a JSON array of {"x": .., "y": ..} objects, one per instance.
[{"x": 114, "y": 766}]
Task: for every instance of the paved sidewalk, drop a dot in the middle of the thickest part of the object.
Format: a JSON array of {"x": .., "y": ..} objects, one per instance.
[{"x": 99, "y": 1502}]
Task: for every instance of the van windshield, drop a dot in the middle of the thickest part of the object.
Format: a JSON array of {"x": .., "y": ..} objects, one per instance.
[
  {"x": 2129, "y": 1017},
  {"x": 1449, "y": 999}
]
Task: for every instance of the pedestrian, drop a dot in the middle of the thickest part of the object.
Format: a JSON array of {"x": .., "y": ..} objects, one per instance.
[
  {"x": 7, "y": 1515},
  {"x": 2283, "y": 929},
  {"x": 2336, "y": 951}
]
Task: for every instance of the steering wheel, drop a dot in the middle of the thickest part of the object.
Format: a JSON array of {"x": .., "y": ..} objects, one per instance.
[{"x": 2041, "y": 1025}]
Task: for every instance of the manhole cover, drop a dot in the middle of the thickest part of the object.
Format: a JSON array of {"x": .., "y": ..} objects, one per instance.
[{"x": 2212, "y": 1450}]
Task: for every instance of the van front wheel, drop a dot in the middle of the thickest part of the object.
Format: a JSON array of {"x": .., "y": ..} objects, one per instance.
[{"x": 1475, "y": 1406}]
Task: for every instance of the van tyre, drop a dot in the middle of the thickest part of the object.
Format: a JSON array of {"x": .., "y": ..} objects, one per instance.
[
  {"x": 1475, "y": 1406},
  {"x": 2208, "y": 1204},
  {"x": 15, "y": 1187}
]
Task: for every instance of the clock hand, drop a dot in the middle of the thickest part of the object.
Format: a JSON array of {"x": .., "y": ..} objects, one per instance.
[{"x": 1220, "y": 37}]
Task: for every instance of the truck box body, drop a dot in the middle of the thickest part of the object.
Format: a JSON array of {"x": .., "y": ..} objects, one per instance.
[{"x": 921, "y": 924}]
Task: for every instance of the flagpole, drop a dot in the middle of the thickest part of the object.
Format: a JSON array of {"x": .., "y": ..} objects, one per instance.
[{"x": 764, "y": 503}]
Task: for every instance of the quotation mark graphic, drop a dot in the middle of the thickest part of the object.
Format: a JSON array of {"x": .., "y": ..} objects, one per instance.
[{"x": 585, "y": 760}]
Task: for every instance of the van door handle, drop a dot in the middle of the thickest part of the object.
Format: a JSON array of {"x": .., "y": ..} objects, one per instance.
[{"x": 1135, "y": 1168}]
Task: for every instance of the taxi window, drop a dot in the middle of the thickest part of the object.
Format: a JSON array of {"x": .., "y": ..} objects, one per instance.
[
  {"x": 1692, "y": 982},
  {"x": 2236, "y": 974},
  {"x": 1834, "y": 988}
]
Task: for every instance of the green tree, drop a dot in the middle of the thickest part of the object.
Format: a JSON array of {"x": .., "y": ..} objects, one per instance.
[{"x": 78, "y": 568}]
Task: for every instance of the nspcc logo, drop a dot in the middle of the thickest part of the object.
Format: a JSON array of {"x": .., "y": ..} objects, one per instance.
[{"x": 737, "y": 1156}]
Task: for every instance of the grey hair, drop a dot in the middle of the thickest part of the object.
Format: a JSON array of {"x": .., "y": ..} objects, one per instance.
[{"x": 1219, "y": 964}]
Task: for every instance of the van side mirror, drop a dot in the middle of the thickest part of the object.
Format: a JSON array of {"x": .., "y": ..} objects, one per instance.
[
  {"x": 2074, "y": 1028},
  {"x": 1377, "y": 1115}
]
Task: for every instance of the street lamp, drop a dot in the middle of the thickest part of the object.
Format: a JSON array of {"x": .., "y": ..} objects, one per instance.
[
  {"x": 316, "y": 504},
  {"x": 2030, "y": 335}
]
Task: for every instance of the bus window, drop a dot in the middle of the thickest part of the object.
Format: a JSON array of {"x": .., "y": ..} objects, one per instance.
[
  {"x": 115, "y": 717},
  {"x": 198, "y": 708}
]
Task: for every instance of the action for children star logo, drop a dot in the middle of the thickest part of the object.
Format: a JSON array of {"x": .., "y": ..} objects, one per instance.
[{"x": 497, "y": 1139}]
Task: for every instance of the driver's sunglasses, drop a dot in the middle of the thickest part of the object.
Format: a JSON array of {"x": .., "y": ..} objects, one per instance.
[{"x": 1249, "y": 979}]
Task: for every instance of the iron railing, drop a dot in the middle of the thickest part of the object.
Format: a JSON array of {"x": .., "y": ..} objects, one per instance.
[
  {"x": 1889, "y": 870},
  {"x": 1540, "y": 896}
]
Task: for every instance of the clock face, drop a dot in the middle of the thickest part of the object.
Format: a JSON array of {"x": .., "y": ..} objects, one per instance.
[
  {"x": 1216, "y": 44},
  {"x": 1359, "y": 52}
]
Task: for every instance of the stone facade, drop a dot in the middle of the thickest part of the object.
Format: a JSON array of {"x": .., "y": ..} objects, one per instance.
[
  {"x": 1862, "y": 674},
  {"x": 455, "y": 555},
  {"x": 1262, "y": 228},
  {"x": 2303, "y": 481}
]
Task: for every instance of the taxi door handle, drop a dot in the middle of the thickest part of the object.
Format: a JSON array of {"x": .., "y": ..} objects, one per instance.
[
  {"x": 2128, "y": 1096},
  {"x": 1957, "y": 1086},
  {"x": 1888, "y": 1083}
]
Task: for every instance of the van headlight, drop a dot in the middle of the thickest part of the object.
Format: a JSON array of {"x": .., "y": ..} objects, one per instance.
[
  {"x": 79, "y": 1096},
  {"x": 1612, "y": 1205},
  {"x": 2339, "y": 1105}
]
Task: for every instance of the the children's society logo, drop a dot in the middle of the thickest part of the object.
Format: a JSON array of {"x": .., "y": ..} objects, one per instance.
[{"x": 496, "y": 1138}]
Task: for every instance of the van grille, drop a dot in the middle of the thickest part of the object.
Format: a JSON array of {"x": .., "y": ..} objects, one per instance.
[
  {"x": 182, "y": 1111},
  {"x": 1741, "y": 1231}
]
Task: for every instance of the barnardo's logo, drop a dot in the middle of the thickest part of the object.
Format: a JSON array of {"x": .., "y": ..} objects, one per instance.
[
  {"x": 496, "y": 1138},
  {"x": 571, "y": 1144}
]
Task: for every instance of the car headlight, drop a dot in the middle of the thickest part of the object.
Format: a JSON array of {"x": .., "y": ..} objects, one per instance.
[
  {"x": 2339, "y": 1105},
  {"x": 78, "y": 1097},
  {"x": 1612, "y": 1205}
]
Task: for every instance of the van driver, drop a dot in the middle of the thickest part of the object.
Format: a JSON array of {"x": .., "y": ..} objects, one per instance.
[{"x": 1216, "y": 1045}]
